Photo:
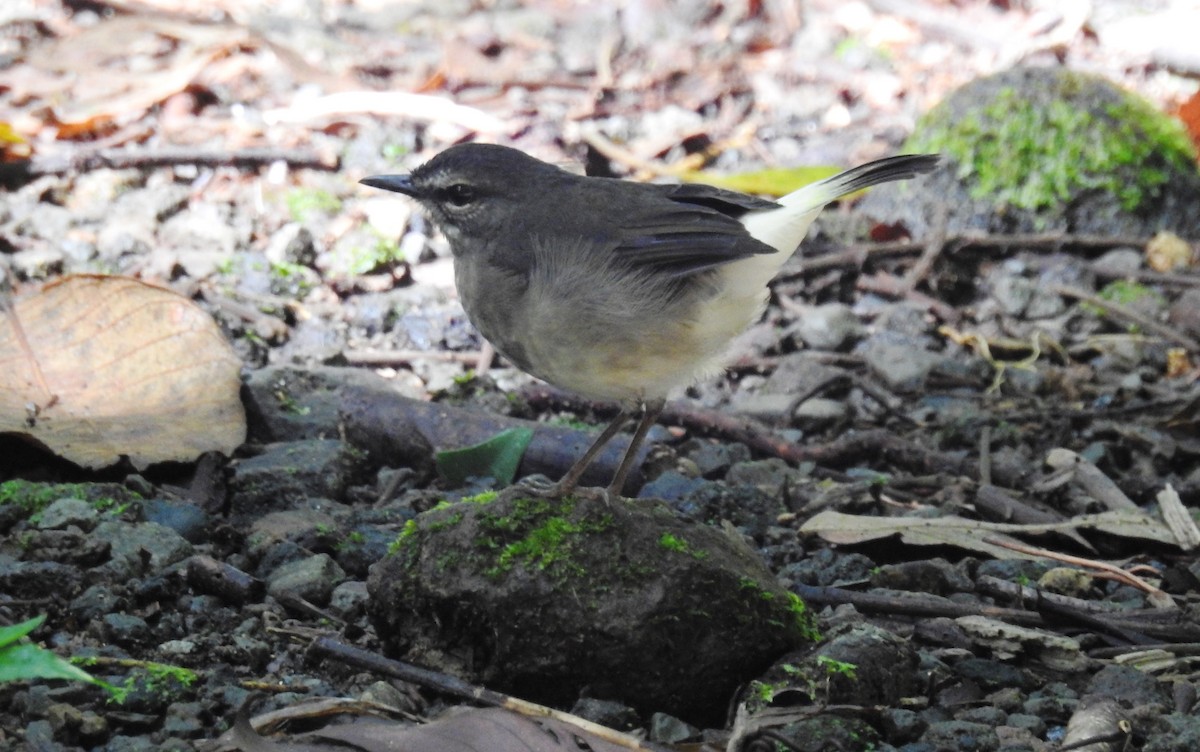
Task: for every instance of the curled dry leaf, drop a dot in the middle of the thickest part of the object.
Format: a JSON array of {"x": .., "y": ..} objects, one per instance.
[{"x": 97, "y": 367}]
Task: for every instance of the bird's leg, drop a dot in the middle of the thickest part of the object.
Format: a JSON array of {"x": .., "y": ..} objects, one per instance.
[
  {"x": 571, "y": 479},
  {"x": 650, "y": 413}
]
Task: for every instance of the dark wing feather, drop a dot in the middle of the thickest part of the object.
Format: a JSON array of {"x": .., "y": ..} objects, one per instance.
[{"x": 683, "y": 230}]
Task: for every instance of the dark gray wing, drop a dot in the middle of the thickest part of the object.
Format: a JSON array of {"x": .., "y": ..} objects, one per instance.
[{"x": 682, "y": 230}]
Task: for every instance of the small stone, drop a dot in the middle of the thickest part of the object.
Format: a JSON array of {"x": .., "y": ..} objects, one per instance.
[
  {"x": 63, "y": 716},
  {"x": 178, "y": 647},
  {"x": 667, "y": 729},
  {"x": 831, "y": 326},
  {"x": 901, "y": 725},
  {"x": 962, "y": 735},
  {"x": 816, "y": 413},
  {"x": 66, "y": 512},
  {"x": 186, "y": 519},
  {"x": 609, "y": 713},
  {"x": 349, "y": 599},
  {"x": 94, "y": 602},
  {"x": 125, "y": 629},
  {"x": 899, "y": 361},
  {"x": 1119, "y": 262},
  {"x": 312, "y": 579},
  {"x": 185, "y": 719}
]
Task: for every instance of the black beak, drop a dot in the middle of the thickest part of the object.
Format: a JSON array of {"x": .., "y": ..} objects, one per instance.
[{"x": 396, "y": 183}]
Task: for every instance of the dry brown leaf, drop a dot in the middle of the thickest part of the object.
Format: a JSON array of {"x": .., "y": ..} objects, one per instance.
[
  {"x": 97, "y": 367},
  {"x": 1167, "y": 252},
  {"x": 976, "y": 535},
  {"x": 493, "y": 729},
  {"x": 104, "y": 74}
]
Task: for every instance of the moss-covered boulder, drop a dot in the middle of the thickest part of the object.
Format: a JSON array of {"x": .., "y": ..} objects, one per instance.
[
  {"x": 1048, "y": 149},
  {"x": 549, "y": 599}
]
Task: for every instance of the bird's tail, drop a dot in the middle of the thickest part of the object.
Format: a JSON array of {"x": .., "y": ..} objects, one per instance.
[{"x": 785, "y": 227}]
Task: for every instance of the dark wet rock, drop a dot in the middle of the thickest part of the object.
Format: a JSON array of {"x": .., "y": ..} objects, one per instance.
[
  {"x": 830, "y": 731},
  {"x": 31, "y": 580},
  {"x": 68, "y": 512},
  {"x": 97, "y": 600},
  {"x": 901, "y": 726},
  {"x": 855, "y": 664},
  {"x": 934, "y": 576},
  {"x": 209, "y": 576},
  {"x": 1129, "y": 686},
  {"x": 746, "y": 507},
  {"x": 349, "y": 599},
  {"x": 988, "y": 716},
  {"x": 291, "y": 471},
  {"x": 68, "y": 546},
  {"x": 962, "y": 736},
  {"x": 364, "y": 545},
  {"x": 311, "y": 579},
  {"x": 671, "y": 486},
  {"x": 1174, "y": 733},
  {"x": 141, "y": 547},
  {"x": 126, "y": 630},
  {"x": 187, "y": 519},
  {"x": 608, "y": 713},
  {"x": 713, "y": 459},
  {"x": 829, "y": 568},
  {"x": 186, "y": 719},
  {"x": 991, "y": 674},
  {"x": 1054, "y": 702},
  {"x": 769, "y": 475},
  {"x": 1031, "y": 723},
  {"x": 480, "y": 590}
]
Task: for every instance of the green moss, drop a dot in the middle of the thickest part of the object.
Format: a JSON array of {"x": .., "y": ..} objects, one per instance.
[
  {"x": 539, "y": 535},
  {"x": 33, "y": 498},
  {"x": 1126, "y": 292},
  {"x": 672, "y": 542},
  {"x": 802, "y": 619},
  {"x": 1078, "y": 133}
]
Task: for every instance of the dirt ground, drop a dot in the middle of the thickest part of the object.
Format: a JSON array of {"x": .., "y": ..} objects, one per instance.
[{"x": 975, "y": 459}]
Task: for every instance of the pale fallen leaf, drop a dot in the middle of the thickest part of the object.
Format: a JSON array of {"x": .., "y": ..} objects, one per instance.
[
  {"x": 97, "y": 367},
  {"x": 977, "y": 535},
  {"x": 471, "y": 730}
]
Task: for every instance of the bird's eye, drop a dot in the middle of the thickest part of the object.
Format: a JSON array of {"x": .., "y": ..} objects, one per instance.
[{"x": 459, "y": 194}]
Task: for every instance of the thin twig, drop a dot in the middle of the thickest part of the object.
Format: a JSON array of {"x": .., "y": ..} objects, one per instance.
[{"x": 1120, "y": 311}]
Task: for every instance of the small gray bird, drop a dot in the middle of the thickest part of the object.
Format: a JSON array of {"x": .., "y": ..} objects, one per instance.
[{"x": 612, "y": 289}]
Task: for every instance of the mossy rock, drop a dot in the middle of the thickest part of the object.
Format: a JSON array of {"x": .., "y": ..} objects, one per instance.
[
  {"x": 549, "y": 599},
  {"x": 1048, "y": 149}
]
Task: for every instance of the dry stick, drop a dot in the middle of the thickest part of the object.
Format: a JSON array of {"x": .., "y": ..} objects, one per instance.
[
  {"x": 376, "y": 357},
  {"x": 352, "y": 656},
  {"x": 933, "y": 249},
  {"x": 856, "y": 255},
  {"x": 167, "y": 157},
  {"x": 1119, "y": 311},
  {"x": 1158, "y": 597},
  {"x": 985, "y": 454}
]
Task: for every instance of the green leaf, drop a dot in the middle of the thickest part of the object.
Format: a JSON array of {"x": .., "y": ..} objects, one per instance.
[
  {"x": 24, "y": 660},
  {"x": 9, "y": 635},
  {"x": 498, "y": 458},
  {"x": 768, "y": 182}
]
